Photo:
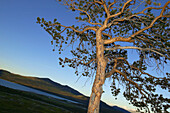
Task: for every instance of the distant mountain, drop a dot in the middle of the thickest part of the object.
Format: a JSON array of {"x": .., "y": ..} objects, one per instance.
[{"x": 49, "y": 86}]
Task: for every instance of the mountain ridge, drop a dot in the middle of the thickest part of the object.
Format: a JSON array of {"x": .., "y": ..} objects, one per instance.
[{"x": 64, "y": 87}]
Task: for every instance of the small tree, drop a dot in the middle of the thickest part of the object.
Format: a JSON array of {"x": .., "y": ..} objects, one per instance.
[{"x": 102, "y": 42}]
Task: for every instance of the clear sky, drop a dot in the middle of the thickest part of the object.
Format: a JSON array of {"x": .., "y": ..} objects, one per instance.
[{"x": 25, "y": 48}]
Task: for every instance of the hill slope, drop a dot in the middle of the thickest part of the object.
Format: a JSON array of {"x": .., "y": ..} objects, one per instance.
[
  {"x": 47, "y": 85},
  {"x": 44, "y": 84}
]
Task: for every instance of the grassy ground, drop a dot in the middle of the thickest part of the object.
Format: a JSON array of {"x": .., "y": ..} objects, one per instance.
[
  {"x": 14, "y": 101},
  {"x": 17, "y": 104}
]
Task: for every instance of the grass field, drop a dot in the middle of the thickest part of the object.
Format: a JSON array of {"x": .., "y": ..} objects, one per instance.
[{"x": 14, "y": 101}]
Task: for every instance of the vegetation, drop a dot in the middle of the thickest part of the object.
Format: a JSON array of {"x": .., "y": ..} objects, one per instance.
[
  {"x": 101, "y": 45},
  {"x": 14, "y": 101}
]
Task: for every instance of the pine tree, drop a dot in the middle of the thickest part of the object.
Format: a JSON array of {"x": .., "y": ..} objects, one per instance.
[{"x": 101, "y": 46}]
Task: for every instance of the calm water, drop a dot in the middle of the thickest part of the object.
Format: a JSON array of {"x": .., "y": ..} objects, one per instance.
[{"x": 25, "y": 88}]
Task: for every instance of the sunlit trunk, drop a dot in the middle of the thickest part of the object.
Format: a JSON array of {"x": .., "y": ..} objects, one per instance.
[{"x": 97, "y": 89}]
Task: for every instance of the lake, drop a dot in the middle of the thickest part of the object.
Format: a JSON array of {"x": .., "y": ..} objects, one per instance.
[{"x": 28, "y": 89}]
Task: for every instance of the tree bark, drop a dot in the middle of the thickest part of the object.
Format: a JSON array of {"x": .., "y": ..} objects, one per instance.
[{"x": 97, "y": 89}]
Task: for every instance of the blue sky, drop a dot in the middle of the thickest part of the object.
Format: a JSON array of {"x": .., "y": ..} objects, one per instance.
[{"x": 25, "y": 48}]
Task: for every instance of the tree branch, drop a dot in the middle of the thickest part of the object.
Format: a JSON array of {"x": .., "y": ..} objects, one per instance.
[
  {"x": 147, "y": 73},
  {"x": 87, "y": 28},
  {"x": 142, "y": 49},
  {"x": 117, "y": 14},
  {"x": 161, "y": 14},
  {"x": 109, "y": 41},
  {"x": 84, "y": 61},
  {"x": 106, "y": 9},
  {"x": 89, "y": 18},
  {"x": 131, "y": 82},
  {"x": 111, "y": 4},
  {"x": 112, "y": 71},
  {"x": 128, "y": 18}
]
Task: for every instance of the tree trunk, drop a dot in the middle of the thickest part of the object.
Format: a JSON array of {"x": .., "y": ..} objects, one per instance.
[{"x": 97, "y": 89}]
